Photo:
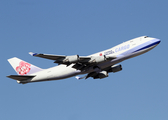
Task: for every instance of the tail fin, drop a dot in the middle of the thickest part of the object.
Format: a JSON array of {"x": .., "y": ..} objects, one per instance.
[{"x": 22, "y": 67}]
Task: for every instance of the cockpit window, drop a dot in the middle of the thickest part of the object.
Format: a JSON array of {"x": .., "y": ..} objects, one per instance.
[{"x": 146, "y": 37}]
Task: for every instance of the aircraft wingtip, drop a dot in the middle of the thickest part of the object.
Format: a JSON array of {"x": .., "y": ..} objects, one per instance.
[
  {"x": 32, "y": 54},
  {"x": 78, "y": 78}
]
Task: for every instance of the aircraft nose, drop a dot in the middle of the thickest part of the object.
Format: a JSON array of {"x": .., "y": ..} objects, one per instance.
[
  {"x": 159, "y": 41},
  {"x": 156, "y": 41}
]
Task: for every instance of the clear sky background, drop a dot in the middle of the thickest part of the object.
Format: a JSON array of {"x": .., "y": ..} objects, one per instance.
[{"x": 69, "y": 27}]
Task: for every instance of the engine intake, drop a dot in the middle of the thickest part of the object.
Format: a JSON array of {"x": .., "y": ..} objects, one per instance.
[
  {"x": 115, "y": 68},
  {"x": 71, "y": 59},
  {"x": 97, "y": 59}
]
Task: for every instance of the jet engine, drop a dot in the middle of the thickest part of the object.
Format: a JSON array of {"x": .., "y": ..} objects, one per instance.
[
  {"x": 115, "y": 68},
  {"x": 69, "y": 59},
  {"x": 97, "y": 59},
  {"x": 101, "y": 75}
]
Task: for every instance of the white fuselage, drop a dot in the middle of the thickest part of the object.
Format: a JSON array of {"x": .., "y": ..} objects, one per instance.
[{"x": 122, "y": 51}]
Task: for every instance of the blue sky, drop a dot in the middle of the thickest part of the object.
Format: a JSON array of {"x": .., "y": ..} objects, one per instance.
[{"x": 69, "y": 27}]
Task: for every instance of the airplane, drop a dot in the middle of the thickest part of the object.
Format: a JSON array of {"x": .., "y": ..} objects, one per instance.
[{"x": 97, "y": 65}]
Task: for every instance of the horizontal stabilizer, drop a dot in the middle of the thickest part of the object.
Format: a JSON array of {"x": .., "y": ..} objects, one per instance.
[{"x": 20, "y": 77}]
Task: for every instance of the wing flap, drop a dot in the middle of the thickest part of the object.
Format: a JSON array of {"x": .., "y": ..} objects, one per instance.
[{"x": 20, "y": 77}]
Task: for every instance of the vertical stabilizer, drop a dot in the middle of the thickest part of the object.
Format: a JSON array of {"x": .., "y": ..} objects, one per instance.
[{"x": 22, "y": 67}]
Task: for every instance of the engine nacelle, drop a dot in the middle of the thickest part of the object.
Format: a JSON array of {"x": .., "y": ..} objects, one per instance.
[
  {"x": 71, "y": 59},
  {"x": 115, "y": 68},
  {"x": 101, "y": 75},
  {"x": 97, "y": 59}
]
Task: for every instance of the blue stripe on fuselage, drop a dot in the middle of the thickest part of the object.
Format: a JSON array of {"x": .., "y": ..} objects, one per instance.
[
  {"x": 141, "y": 47},
  {"x": 155, "y": 43}
]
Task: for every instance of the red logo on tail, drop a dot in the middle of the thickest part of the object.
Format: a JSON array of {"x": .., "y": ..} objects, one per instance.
[{"x": 23, "y": 68}]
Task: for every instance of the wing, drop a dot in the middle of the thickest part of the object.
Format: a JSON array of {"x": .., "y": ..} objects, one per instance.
[
  {"x": 62, "y": 59},
  {"x": 80, "y": 62},
  {"x": 48, "y": 56},
  {"x": 99, "y": 74}
]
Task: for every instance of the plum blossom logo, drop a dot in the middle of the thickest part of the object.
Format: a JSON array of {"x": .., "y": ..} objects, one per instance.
[{"x": 23, "y": 68}]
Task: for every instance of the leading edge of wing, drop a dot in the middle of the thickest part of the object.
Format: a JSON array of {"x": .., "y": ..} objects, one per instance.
[
  {"x": 81, "y": 62},
  {"x": 57, "y": 57},
  {"x": 47, "y": 56}
]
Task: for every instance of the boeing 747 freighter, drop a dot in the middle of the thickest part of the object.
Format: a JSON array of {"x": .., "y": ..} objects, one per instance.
[{"x": 97, "y": 65}]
